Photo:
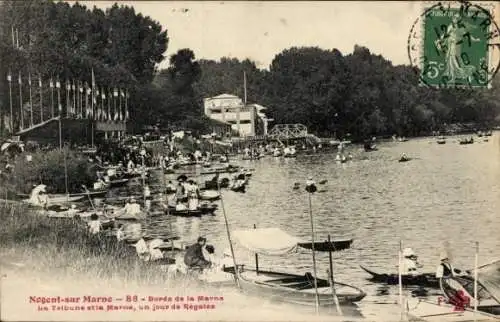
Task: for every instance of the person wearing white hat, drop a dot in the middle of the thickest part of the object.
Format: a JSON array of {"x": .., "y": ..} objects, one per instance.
[
  {"x": 410, "y": 264},
  {"x": 132, "y": 208},
  {"x": 444, "y": 270}
]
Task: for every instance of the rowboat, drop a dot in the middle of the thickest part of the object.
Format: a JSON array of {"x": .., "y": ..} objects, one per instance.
[
  {"x": 289, "y": 287},
  {"x": 118, "y": 182},
  {"x": 295, "y": 289},
  {"x": 57, "y": 199},
  {"x": 441, "y": 140},
  {"x": 91, "y": 193},
  {"x": 209, "y": 195},
  {"x": 425, "y": 279},
  {"x": 459, "y": 290},
  {"x": 202, "y": 210}
]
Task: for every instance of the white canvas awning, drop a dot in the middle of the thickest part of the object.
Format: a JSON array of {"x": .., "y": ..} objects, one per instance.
[
  {"x": 268, "y": 241},
  {"x": 274, "y": 242}
]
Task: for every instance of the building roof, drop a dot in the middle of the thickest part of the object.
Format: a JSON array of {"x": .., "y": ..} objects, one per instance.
[{"x": 223, "y": 96}]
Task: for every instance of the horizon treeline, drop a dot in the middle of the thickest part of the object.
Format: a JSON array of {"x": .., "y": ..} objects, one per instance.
[{"x": 360, "y": 94}]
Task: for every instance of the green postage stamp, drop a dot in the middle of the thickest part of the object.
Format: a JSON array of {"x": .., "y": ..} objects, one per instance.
[{"x": 457, "y": 45}]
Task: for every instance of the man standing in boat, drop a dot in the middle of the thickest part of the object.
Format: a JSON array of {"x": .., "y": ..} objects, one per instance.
[
  {"x": 194, "y": 255},
  {"x": 444, "y": 270}
]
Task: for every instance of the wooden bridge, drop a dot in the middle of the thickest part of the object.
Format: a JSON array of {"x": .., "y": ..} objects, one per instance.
[{"x": 283, "y": 134}]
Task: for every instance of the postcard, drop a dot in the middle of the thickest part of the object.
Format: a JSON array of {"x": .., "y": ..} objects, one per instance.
[{"x": 249, "y": 161}]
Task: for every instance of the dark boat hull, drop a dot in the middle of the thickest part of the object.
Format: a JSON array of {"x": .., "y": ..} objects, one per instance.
[
  {"x": 295, "y": 289},
  {"x": 191, "y": 213},
  {"x": 426, "y": 279},
  {"x": 118, "y": 183},
  {"x": 241, "y": 189}
]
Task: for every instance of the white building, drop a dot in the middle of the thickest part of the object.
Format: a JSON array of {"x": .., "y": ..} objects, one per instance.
[{"x": 231, "y": 109}]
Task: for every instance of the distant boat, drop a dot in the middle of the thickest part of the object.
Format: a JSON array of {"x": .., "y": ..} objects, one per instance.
[
  {"x": 441, "y": 140},
  {"x": 202, "y": 210},
  {"x": 370, "y": 147},
  {"x": 209, "y": 195},
  {"x": 467, "y": 141}
]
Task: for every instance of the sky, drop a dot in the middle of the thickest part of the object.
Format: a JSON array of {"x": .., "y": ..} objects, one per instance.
[{"x": 260, "y": 30}]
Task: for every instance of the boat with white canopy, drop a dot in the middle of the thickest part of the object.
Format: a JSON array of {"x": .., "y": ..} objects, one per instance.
[{"x": 289, "y": 287}]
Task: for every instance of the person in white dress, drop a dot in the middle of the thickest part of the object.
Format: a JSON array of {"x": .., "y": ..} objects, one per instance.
[
  {"x": 132, "y": 207},
  {"x": 95, "y": 225}
]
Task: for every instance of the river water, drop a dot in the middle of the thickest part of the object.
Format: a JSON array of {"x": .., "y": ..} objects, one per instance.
[{"x": 446, "y": 197}]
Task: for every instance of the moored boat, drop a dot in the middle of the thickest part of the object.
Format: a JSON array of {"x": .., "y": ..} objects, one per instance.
[
  {"x": 289, "y": 287},
  {"x": 441, "y": 140},
  {"x": 424, "y": 279},
  {"x": 459, "y": 290},
  {"x": 202, "y": 210},
  {"x": 209, "y": 195},
  {"x": 57, "y": 199},
  {"x": 118, "y": 182},
  {"x": 91, "y": 193}
]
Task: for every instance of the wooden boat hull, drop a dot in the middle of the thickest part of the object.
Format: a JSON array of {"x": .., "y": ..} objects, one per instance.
[
  {"x": 118, "y": 183},
  {"x": 92, "y": 194},
  {"x": 295, "y": 289},
  {"x": 241, "y": 188},
  {"x": 426, "y": 279},
  {"x": 62, "y": 199},
  {"x": 192, "y": 213}
]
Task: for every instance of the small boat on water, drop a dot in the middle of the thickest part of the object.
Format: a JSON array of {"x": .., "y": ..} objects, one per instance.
[
  {"x": 460, "y": 288},
  {"x": 466, "y": 141},
  {"x": 441, "y": 140},
  {"x": 370, "y": 147},
  {"x": 210, "y": 195},
  {"x": 118, "y": 182},
  {"x": 38, "y": 196},
  {"x": 203, "y": 209},
  {"x": 424, "y": 279},
  {"x": 289, "y": 287},
  {"x": 290, "y": 152}
]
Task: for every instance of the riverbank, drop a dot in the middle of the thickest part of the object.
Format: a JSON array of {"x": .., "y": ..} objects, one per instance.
[
  {"x": 44, "y": 245},
  {"x": 53, "y": 270}
]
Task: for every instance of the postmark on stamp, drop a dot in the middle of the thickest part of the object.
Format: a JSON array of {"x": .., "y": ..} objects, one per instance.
[{"x": 455, "y": 45}]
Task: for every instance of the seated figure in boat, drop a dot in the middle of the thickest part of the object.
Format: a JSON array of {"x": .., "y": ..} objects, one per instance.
[
  {"x": 194, "y": 258},
  {"x": 410, "y": 264},
  {"x": 132, "y": 207},
  {"x": 99, "y": 184},
  {"x": 94, "y": 224}
]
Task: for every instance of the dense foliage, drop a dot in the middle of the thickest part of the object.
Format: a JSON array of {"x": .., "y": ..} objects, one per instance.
[
  {"x": 359, "y": 94},
  {"x": 48, "y": 167},
  {"x": 59, "y": 40},
  {"x": 332, "y": 93}
]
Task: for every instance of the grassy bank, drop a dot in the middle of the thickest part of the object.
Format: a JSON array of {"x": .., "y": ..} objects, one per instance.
[{"x": 45, "y": 246}]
